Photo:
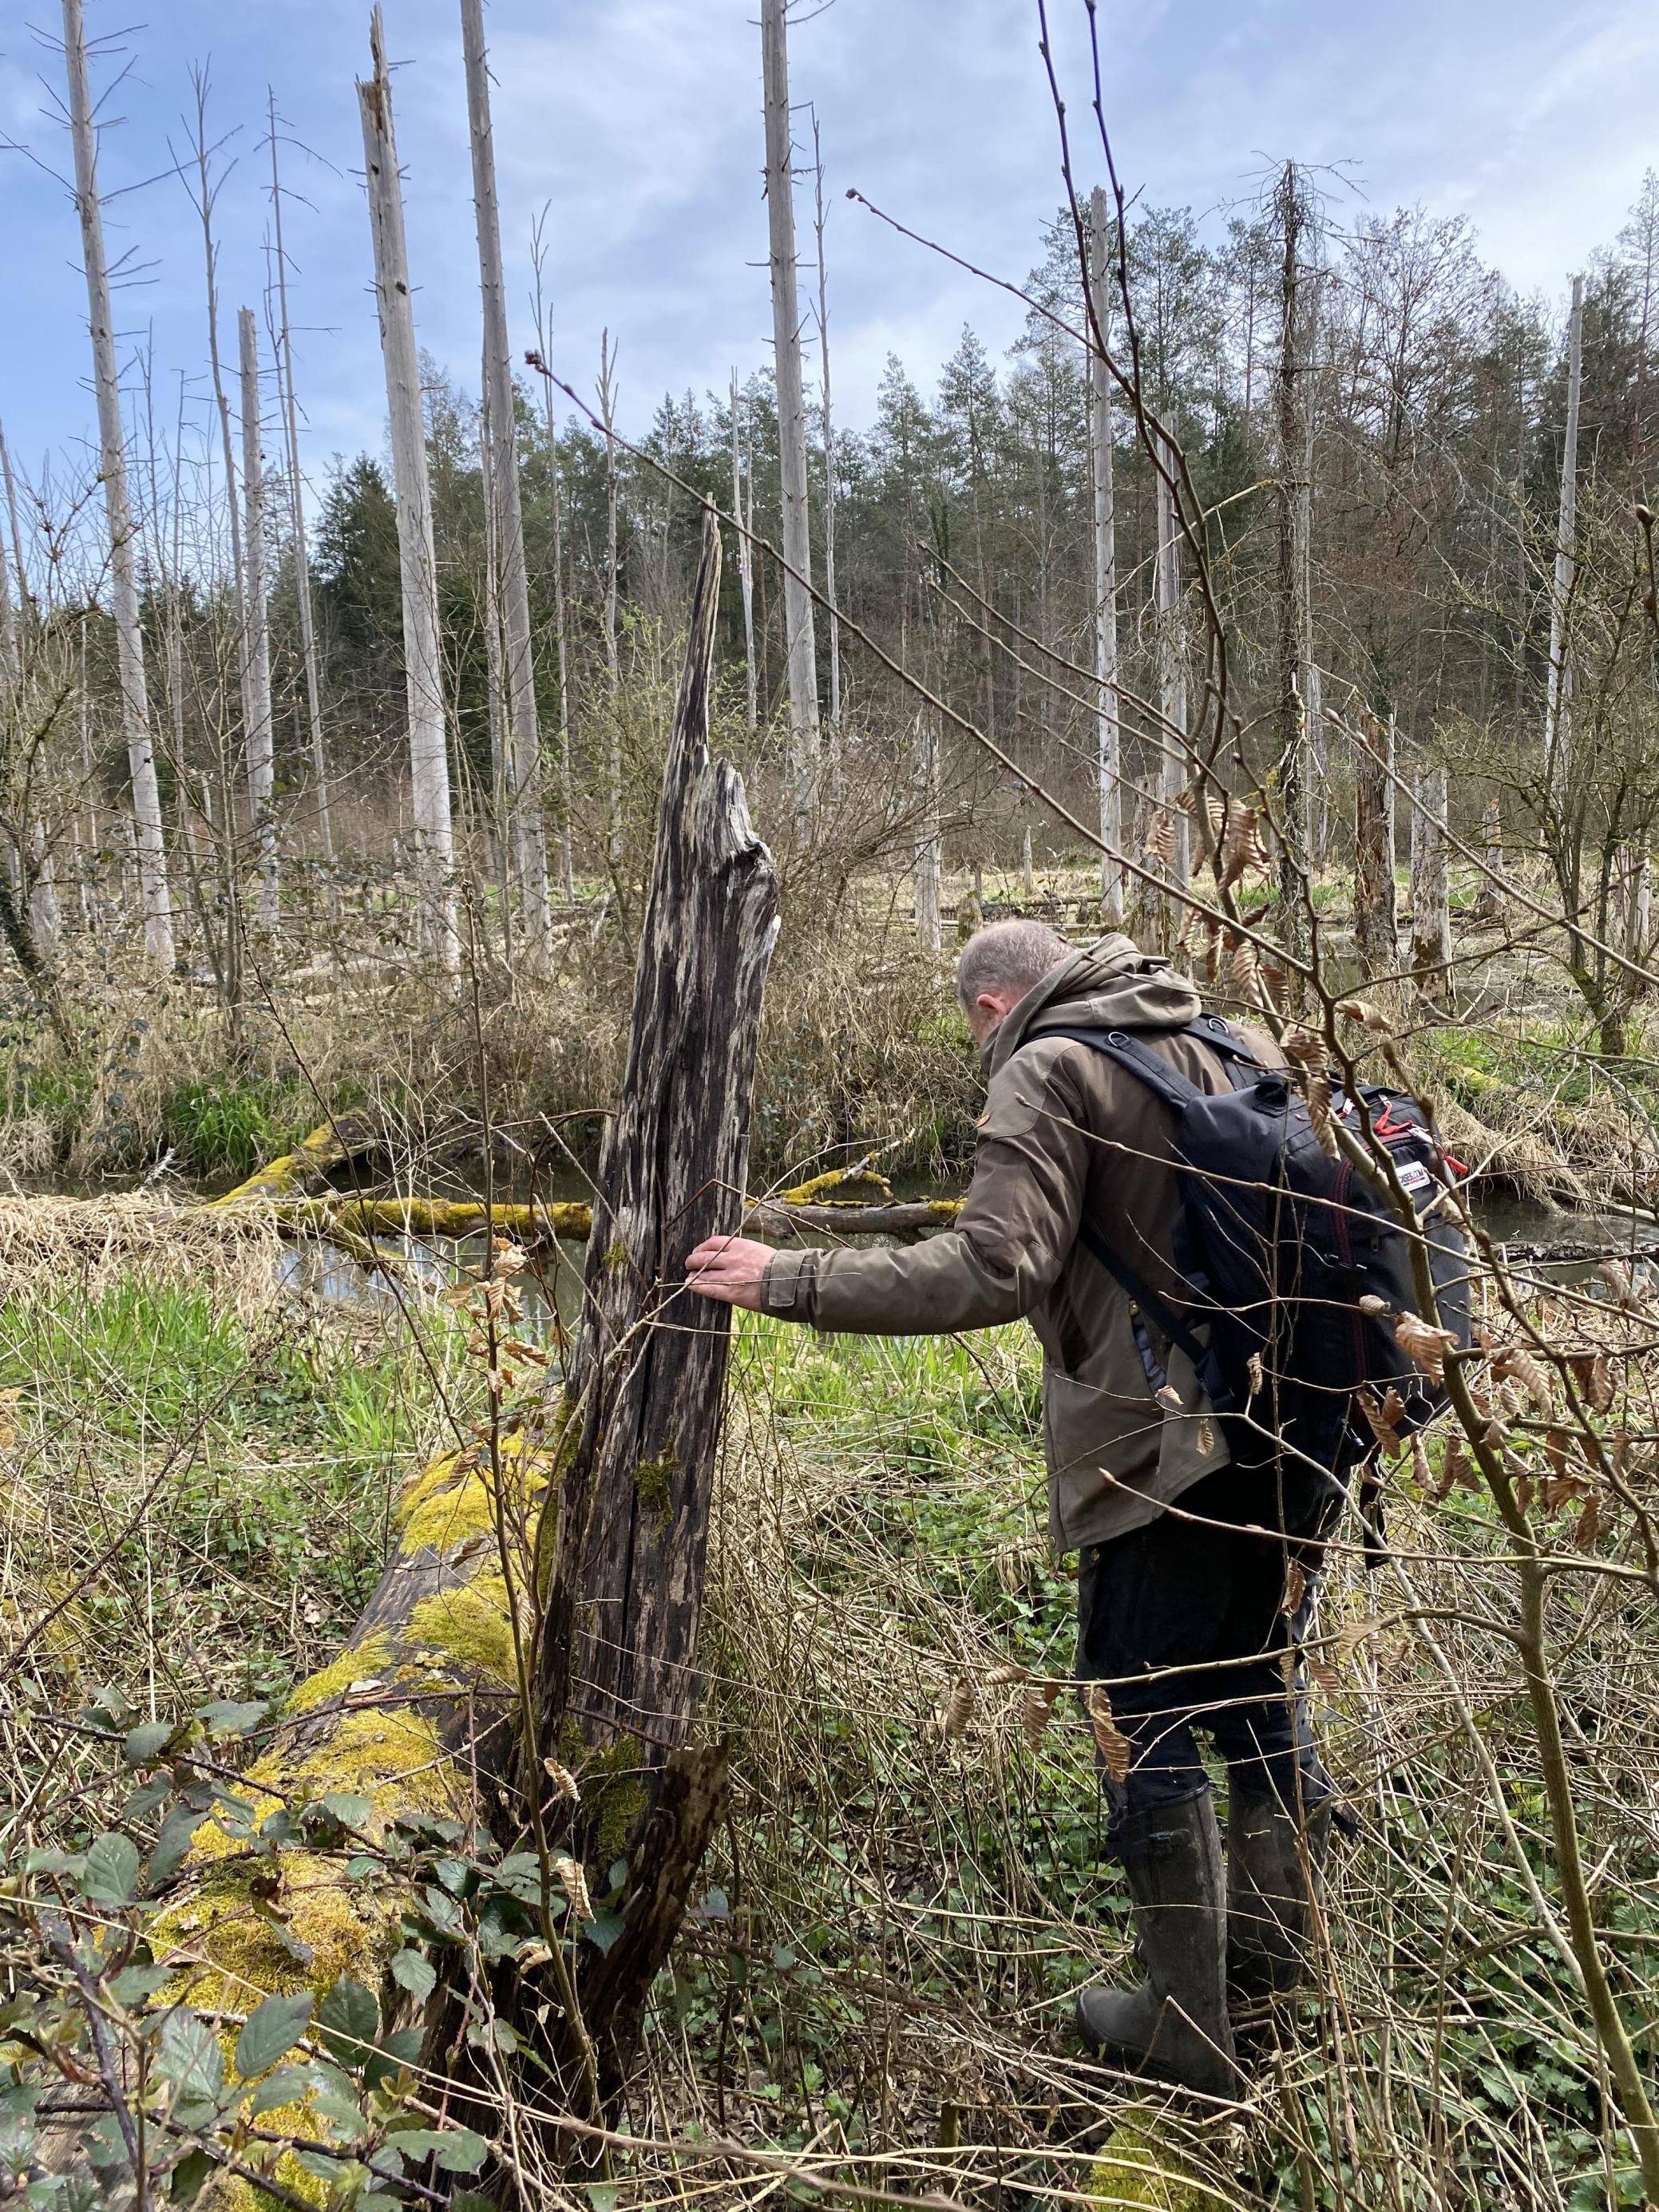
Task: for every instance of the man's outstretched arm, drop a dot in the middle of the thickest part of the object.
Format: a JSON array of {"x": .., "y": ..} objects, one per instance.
[{"x": 1011, "y": 1240}]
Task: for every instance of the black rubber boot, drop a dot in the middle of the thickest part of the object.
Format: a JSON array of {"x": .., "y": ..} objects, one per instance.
[
  {"x": 1175, "y": 2024},
  {"x": 1275, "y": 1877}
]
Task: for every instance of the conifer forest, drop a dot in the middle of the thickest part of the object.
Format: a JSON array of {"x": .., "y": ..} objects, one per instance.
[{"x": 484, "y": 1724}]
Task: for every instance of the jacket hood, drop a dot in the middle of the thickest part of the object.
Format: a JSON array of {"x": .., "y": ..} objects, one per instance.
[{"x": 1109, "y": 985}]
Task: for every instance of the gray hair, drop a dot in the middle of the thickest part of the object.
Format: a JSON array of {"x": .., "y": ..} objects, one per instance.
[{"x": 1008, "y": 957}]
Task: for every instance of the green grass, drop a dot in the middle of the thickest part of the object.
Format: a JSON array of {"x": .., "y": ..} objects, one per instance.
[{"x": 268, "y": 1446}]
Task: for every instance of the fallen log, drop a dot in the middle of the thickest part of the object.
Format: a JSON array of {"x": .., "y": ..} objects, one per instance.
[
  {"x": 570, "y": 1221},
  {"x": 339, "y": 1140}
]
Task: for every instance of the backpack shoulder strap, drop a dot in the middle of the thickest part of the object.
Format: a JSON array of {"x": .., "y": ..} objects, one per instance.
[{"x": 1138, "y": 1060}]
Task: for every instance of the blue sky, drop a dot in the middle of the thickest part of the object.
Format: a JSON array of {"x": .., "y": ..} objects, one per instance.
[{"x": 638, "y": 122}]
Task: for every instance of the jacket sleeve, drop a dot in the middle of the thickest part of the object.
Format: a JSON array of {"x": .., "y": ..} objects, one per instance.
[{"x": 1012, "y": 1237}]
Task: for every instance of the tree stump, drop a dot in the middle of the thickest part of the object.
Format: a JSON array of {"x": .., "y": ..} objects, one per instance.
[{"x": 622, "y": 1566}]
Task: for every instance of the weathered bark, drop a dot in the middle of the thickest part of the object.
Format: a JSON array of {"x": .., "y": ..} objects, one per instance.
[
  {"x": 123, "y": 536},
  {"x": 1375, "y": 923},
  {"x": 261, "y": 757},
  {"x": 1431, "y": 943},
  {"x": 428, "y": 758},
  {"x": 1108, "y": 737},
  {"x": 791, "y": 415},
  {"x": 617, "y": 1683},
  {"x": 524, "y": 752}
]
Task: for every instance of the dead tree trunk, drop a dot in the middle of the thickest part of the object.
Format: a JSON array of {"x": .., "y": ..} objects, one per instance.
[
  {"x": 123, "y": 537},
  {"x": 792, "y": 416},
  {"x": 561, "y": 627},
  {"x": 1431, "y": 943},
  {"x": 1173, "y": 770},
  {"x": 1109, "y": 737},
  {"x": 828, "y": 466},
  {"x": 429, "y": 757},
  {"x": 1557, "y": 718},
  {"x": 1290, "y": 406},
  {"x": 261, "y": 757},
  {"x": 618, "y": 1683},
  {"x": 745, "y": 571},
  {"x": 297, "y": 524},
  {"x": 524, "y": 749},
  {"x": 1375, "y": 923}
]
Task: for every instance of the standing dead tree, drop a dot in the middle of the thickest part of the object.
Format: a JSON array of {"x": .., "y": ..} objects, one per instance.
[
  {"x": 617, "y": 1686},
  {"x": 297, "y": 516},
  {"x": 1557, "y": 718},
  {"x": 261, "y": 757},
  {"x": 428, "y": 758},
  {"x": 802, "y": 650},
  {"x": 523, "y": 753},
  {"x": 123, "y": 537},
  {"x": 828, "y": 458},
  {"x": 1376, "y": 927},
  {"x": 1297, "y": 680},
  {"x": 1109, "y": 737}
]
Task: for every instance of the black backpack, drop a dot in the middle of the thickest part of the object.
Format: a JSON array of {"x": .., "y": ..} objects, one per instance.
[{"x": 1277, "y": 1243}]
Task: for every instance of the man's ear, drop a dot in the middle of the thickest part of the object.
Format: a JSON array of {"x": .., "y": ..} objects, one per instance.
[{"x": 988, "y": 1005}]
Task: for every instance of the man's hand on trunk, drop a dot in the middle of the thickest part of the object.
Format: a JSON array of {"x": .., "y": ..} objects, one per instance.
[{"x": 730, "y": 1268}]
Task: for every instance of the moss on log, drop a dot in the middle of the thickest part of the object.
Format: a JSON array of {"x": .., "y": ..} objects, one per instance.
[
  {"x": 418, "y": 1714},
  {"x": 341, "y": 1138}
]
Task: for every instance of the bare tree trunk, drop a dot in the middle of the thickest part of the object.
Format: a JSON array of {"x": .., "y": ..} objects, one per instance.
[
  {"x": 613, "y": 673},
  {"x": 123, "y": 576},
  {"x": 745, "y": 571},
  {"x": 1171, "y": 687},
  {"x": 1027, "y": 870},
  {"x": 297, "y": 522},
  {"x": 618, "y": 1676},
  {"x": 928, "y": 838},
  {"x": 1109, "y": 735},
  {"x": 1431, "y": 942},
  {"x": 829, "y": 470},
  {"x": 792, "y": 416},
  {"x": 561, "y": 628},
  {"x": 1376, "y": 927},
  {"x": 429, "y": 757},
  {"x": 501, "y": 813},
  {"x": 261, "y": 764},
  {"x": 1290, "y": 395},
  {"x": 524, "y": 755},
  {"x": 207, "y": 192},
  {"x": 1558, "y": 716}
]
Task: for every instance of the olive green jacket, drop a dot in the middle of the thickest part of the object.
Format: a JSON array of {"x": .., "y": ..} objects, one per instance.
[{"x": 1064, "y": 1129}]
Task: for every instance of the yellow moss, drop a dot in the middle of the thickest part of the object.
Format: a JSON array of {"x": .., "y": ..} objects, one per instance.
[
  {"x": 359, "y": 1663},
  {"x": 864, "y": 1181},
  {"x": 226, "y": 1947},
  {"x": 471, "y": 1627},
  {"x": 452, "y": 1499},
  {"x": 1140, "y": 2165},
  {"x": 613, "y": 1793}
]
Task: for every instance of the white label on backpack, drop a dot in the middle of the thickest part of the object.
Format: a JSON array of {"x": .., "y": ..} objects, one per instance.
[{"x": 1414, "y": 1175}]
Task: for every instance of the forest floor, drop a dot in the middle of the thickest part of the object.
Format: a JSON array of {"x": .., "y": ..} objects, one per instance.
[
  {"x": 201, "y": 1455},
  {"x": 200, "y": 1462}
]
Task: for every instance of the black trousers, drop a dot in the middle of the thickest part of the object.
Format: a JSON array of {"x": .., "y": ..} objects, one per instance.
[{"x": 1184, "y": 1624}]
